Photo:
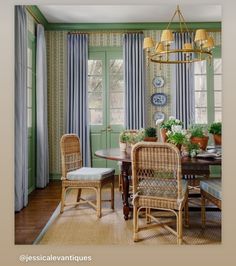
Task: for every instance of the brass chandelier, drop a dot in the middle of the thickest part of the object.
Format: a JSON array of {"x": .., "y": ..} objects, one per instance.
[{"x": 192, "y": 51}]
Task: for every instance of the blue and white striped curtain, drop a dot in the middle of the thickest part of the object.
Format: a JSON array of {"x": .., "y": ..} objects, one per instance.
[
  {"x": 183, "y": 84},
  {"x": 42, "y": 176},
  {"x": 77, "y": 94},
  {"x": 21, "y": 130},
  {"x": 134, "y": 81}
]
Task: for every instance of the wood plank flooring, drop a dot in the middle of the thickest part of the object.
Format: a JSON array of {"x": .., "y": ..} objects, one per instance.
[{"x": 31, "y": 220}]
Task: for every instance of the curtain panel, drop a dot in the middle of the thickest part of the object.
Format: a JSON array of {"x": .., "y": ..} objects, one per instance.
[
  {"x": 183, "y": 84},
  {"x": 77, "y": 93},
  {"x": 42, "y": 174},
  {"x": 20, "y": 129},
  {"x": 134, "y": 80}
]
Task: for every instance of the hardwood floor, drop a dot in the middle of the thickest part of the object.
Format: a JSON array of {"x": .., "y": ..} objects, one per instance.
[{"x": 31, "y": 220}]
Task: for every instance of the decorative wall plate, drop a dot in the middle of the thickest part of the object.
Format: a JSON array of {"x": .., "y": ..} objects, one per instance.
[
  {"x": 158, "y": 116},
  {"x": 159, "y": 99},
  {"x": 158, "y": 82}
]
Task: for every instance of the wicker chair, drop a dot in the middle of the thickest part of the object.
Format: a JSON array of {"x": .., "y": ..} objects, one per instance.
[
  {"x": 158, "y": 184},
  {"x": 74, "y": 176},
  {"x": 211, "y": 191}
]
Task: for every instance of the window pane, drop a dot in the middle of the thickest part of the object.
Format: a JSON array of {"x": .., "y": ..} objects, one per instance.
[
  {"x": 217, "y": 65},
  {"x": 218, "y": 98},
  {"x": 29, "y": 57},
  {"x": 218, "y": 114},
  {"x": 200, "y": 83},
  {"x": 29, "y": 97},
  {"x": 116, "y": 100},
  {"x": 29, "y": 77},
  {"x": 217, "y": 82},
  {"x": 94, "y": 84},
  {"x": 116, "y": 66},
  {"x": 117, "y": 117},
  {"x": 116, "y": 83},
  {"x": 95, "y": 116},
  {"x": 200, "y": 99},
  {"x": 29, "y": 117},
  {"x": 200, "y": 115},
  {"x": 95, "y": 100},
  {"x": 200, "y": 67},
  {"x": 94, "y": 67}
]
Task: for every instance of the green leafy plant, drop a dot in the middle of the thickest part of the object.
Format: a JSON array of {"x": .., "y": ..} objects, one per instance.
[
  {"x": 198, "y": 131},
  {"x": 123, "y": 137},
  {"x": 176, "y": 138},
  {"x": 192, "y": 148},
  {"x": 215, "y": 128},
  {"x": 150, "y": 132},
  {"x": 172, "y": 121}
]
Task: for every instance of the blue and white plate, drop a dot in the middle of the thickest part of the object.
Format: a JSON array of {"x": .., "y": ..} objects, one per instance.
[
  {"x": 159, "y": 99},
  {"x": 158, "y": 82}
]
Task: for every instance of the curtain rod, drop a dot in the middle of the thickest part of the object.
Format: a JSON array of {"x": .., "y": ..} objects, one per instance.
[{"x": 104, "y": 31}]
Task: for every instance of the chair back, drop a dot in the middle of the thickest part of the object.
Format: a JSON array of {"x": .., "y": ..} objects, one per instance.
[
  {"x": 156, "y": 167},
  {"x": 70, "y": 153}
]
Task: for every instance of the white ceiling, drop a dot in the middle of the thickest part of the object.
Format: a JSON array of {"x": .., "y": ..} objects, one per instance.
[{"x": 127, "y": 13}]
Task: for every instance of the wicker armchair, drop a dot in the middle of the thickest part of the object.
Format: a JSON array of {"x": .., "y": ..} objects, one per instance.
[
  {"x": 74, "y": 176},
  {"x": 158, "y": 184}
]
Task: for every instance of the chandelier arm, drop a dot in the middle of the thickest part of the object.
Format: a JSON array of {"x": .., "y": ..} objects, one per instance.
[
  {"x": 188, "y": 31},
  {"x": 172, "y": 19}
]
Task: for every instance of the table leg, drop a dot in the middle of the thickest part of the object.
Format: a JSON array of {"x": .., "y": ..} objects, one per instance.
[{"x": 125, "y": 169}]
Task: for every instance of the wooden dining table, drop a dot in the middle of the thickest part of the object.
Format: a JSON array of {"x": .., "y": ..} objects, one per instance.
[{"x": 191, "y": 167}]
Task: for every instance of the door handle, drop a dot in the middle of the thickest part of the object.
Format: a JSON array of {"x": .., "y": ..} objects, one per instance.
[
  {"x": 109, "y": 128},
  {"x": 103, "y": 130}
]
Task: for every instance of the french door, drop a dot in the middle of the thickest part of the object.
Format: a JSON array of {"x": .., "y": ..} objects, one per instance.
[{"x": 106, "y": 101}]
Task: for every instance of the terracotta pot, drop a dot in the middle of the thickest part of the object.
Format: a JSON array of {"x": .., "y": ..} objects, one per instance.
[
  {"x": 202, "y": 142},
  {"x": 163, "y": 134},
  {"x": 151, "y": 139},
  {"x": 217, "y": 139}
]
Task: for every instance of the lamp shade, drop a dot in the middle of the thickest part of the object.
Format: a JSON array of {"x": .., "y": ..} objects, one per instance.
[
  {"x": 167, "y": 36},
  {"x": 200, "y": 35},
  {"x": 209, "y": 43},
  {"x": 159, "y": 47},
  {"x": 148, "y": 43}
]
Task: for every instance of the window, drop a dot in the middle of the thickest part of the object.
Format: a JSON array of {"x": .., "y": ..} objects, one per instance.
[{"x": 208, "y": 90}]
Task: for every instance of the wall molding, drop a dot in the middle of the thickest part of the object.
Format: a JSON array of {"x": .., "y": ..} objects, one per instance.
[{"x": 39, "y": 17}]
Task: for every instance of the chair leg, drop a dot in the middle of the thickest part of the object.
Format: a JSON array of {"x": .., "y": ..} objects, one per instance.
[
  {"x": 78, "y": 195},
  {"x": 63, "y": 195},
  {"x": 203, "y": 210},
  {"x": 99, "y": 202},
  {"x": 148, "y": 219},
  {"x": 180, "y": 228},
  {"x": 186, "y": 214},
  {"x": 135, "y": 223},
  {"x": 112, "y": 193}
]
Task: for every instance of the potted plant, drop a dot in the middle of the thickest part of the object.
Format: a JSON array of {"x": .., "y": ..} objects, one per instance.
[
  {"x": 123, "y": 140},
  {"x": 192, "y": 148},
  {"x": 178, "y": 137},
  {"x": 167, "y": 126},
  {"x": 150, "y": 134},
  {"x": 199, "y": 136},
  {"x": 215, "y": 129}
]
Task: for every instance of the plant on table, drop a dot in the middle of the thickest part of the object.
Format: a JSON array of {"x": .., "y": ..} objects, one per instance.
[
  {"x": 150, "y": 134},
  {"x": 215, "y": 130},
  {"x": 168, "y": 126},
  {"x": 177, "y": 137},
  {"x": 199, "y": 136}
]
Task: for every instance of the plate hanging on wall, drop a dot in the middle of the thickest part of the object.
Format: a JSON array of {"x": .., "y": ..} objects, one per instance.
[
  {"x": 159, "y": 99},
  {"x": 158, "y": 116},
  {"x": 158, "y": 82}
]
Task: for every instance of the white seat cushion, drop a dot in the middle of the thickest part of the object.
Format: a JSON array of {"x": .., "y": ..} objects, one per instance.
[{"x": 88, "y": 173}]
